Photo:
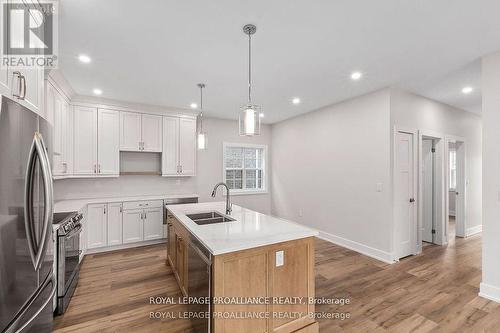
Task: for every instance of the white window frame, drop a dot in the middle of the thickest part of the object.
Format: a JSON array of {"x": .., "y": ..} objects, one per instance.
[{"x": 264, "y": 167}]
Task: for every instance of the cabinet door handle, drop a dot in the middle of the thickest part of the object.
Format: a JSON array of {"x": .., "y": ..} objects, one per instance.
[
  {"x": 181, "y": 168},
  {"x": 121, "y": 209},
  {"x": 23, "y": 79},
  {"x": 99, "y": 168},
  {"x": 20, "y": 87},
  {"x": 105, "y": 210},
  {"x": 95, "y": 168}
]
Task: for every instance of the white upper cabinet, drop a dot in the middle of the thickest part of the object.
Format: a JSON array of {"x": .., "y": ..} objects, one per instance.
[
  {"x": 130, "y": 131},
  {"x": 60, "y": 114},
  {"x": 24, "y": 85},
  {"x": 108, "y": 143},
  {"x": 85, "y": 161},
  {"x": 170, "y": 162},
  {"x": 151, "y": 131},
  {"x": 97, "y": 141},
  {"x": 140, "y": 132},
  {"x": 179, "y": 146},
  {"x": 4, "y": 82},
  {"x": 187, "y": 146}
]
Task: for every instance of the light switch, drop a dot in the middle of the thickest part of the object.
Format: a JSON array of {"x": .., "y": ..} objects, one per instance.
[
  {"x": 280, "y": 258},
  {"x": 379, "y": 187}
]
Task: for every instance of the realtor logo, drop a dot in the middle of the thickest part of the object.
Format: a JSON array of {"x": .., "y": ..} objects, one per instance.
[{"x": 29, "y": 34}]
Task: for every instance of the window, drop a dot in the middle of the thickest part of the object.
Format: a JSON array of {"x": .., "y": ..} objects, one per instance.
[
  {"x": 453, "y": 169},
  {"x": 244, "y": 167}
]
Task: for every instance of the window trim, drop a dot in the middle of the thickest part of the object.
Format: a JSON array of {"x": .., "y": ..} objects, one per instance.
[{"x": 264, "y": 167}]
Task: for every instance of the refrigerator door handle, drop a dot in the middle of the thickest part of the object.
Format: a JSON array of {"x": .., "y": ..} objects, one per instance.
[
  {"x": 28, "y": 204},
  {"x": 13, "y": 326},
  {"x": 48, "y": 198}
]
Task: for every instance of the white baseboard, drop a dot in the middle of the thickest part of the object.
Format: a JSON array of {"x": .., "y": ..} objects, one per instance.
[
  {"x": 358, "y": 247},
  {"x": 489, "y": 292},
  {"x": 474, "y": 230},
  {"x": 125, "y": 246}
]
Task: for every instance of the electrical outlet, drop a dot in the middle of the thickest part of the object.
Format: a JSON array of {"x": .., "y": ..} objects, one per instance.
[{"x": 280, "y": 258}]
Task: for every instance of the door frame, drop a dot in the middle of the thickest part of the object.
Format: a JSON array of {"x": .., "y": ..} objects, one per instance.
[
  {"x": 439, "y": 187},
  {"x": 395, "y": 243},
  {"x": 460, "y": 214}
]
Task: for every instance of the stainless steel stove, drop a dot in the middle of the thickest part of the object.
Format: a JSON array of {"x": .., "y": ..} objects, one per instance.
[{"x": 68, "y": 257}]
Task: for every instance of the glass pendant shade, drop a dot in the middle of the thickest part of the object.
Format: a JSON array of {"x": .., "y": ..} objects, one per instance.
[
  {"x": 250, "y": 120},
  {"x": 202, "y": 140}
]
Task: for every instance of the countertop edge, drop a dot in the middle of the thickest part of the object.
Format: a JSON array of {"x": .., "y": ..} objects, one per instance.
[
  {"x": 71, "y": 204},
  {"x": 306, "y": 234}
]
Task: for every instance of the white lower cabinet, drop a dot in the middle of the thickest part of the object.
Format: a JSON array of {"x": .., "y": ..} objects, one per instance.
[
  {"x": 133, "y": 227},
  {"x": 96, "y": 226},
  {"x": 153, "y": 223},
  {"x": 115, "y": 220},
  {"x": 113, "y": 224}
]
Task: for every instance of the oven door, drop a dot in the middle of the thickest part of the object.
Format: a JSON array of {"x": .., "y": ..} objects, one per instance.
[{"x": 68, "y": 259}]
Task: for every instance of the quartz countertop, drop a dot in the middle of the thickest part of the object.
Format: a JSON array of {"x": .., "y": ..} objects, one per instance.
[
  {"x": 251, "y": 229},
  {"x": 73, "y": 205}
]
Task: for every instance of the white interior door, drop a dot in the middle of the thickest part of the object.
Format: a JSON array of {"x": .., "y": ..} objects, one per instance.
[
  {"x": 108, "y": 142},
  {"x": 151, "y": 133},
  {"x": 170, "y": 155},
  {"x": 130, "y": 131},
  {"x": 85, "y": 161},
  {"x": 187, "y": 146},
  {"x": 404, "y": 195},
  {"x": 427, "y": 191}
]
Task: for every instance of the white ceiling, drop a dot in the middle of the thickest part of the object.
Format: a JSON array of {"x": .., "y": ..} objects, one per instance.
[{"x": 156, "y": 51}]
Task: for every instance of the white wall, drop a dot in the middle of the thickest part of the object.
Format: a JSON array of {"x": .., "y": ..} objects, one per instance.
[
  {"x": 409, "y": 110},
  {"x": 209, "y": 172},
  {"x": 490, "y": 286},
  {"x": 326, "y": 165}
]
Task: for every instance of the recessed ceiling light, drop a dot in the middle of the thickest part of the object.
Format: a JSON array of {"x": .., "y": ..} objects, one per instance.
[
  {"x": 261, "y": 115},
  {"x": 97, "y": 91},
  {"x": 467, "y": 90},
  {"x": 193, "y": 105},
  {"x": 296, "y": 100},
  {"x": 356, "y": 76},
  {"x": 84, "y": 58}
]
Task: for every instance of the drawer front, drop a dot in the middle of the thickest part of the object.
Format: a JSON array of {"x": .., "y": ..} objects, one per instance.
[{"x": 142, "y": 204}]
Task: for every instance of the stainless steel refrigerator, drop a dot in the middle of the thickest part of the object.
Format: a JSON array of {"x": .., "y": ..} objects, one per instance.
[{"x": 27, "y": 283}]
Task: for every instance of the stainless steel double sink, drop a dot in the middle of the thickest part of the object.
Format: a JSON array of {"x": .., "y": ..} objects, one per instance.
[{"x": 209, "y": 218}]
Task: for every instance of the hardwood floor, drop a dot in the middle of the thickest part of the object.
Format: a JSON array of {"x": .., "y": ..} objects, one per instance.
[{"x": 433, "y": 292}]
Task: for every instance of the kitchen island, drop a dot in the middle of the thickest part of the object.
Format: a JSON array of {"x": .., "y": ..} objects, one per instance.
[{"x": 258, "y": 269}]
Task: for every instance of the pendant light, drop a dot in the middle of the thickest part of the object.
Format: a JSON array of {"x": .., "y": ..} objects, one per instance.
[
  {"x": 249, "y": 114},
  {"x": 202, "y": 136}
]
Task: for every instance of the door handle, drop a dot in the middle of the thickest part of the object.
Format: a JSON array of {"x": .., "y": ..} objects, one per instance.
[
  {"x": 456, "y": 193},
  {"x": 20, "y": 84},
  {"x": 412, "y": 200},
  {"x": 23, "y": 80},
  {"x": 37, "y": 248},
  {"x": 48, "y": 198}
]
